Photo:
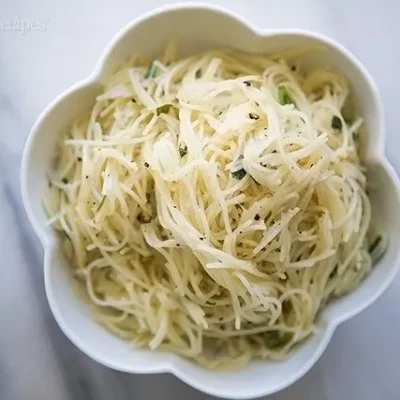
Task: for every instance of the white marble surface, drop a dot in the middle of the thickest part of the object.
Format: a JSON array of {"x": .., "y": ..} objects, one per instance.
[{"x": 36, "y": 360}]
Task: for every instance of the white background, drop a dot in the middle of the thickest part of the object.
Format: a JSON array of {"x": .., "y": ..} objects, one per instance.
[{"x": 36, "y": 360}]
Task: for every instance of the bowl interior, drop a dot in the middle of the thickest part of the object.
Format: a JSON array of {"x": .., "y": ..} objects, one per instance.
[
  {"x": 76, "y": 320},
  {"x": 198, "y": 29}
]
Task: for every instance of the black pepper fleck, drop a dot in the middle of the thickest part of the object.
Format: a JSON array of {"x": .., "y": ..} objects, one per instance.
[
  {"x": 254, "y": 116},
  {"x": 143, "y": 219},
  {"x": 247, "y": 83},
  {"x": 79, "y": 159},
  {"x": 146, "y": 164},
  {"x": 257, "y": 217}
]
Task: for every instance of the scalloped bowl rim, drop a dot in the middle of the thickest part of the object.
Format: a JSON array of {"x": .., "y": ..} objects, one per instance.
[{"x": 50, "y": 247}]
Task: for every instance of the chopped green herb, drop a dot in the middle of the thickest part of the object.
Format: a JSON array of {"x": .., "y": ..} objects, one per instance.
[
  {"x": 254, "y": 116},
  {"x": 334, "y": 272},
  {"x": 336, "y": 123},
  {"x": 183, "y": 150},
  {"x": 375, "y": 244},
  {"x": 164, "y": 109},
  {"x": 239, "y": 174},
  {"x": 103, "y": 200},
  {"x": 64, "y": 180},
  {"x": 275, "y": 339},
  {"x": 287, "y": 306},
  {"x": 348, "y": 121},
  {"x": 355, "y": 136},
  {"x": 283, "y": 96},
  {"x": 79, "y": 159},
  {"x": 198, "y": 73},
  {"x": 151, "y": 72}
]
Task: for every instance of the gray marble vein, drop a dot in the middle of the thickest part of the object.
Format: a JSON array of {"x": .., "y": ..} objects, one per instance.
[{"x": 36, "y": 360}]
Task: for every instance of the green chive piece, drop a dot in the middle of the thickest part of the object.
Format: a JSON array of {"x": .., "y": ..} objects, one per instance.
[
  {"x": 287, "y": 306},
  {"x": 336, "y": 123},
  {"x": 103, "y": 200},
  {"x": 151, "y": 72},
  {"x": 164, "y": 109},
  {"x": 183, "y": 150},
  {"x": 334, "y": 272},
  {"x": 64, "y": 180},
  {"x": 275, "y": 339},
  {"x": 375, "y": 244},
  {"x": 283, "y": 96},
  {"x": 348, "y": 121},
  {"x": 239, "y": 174}
]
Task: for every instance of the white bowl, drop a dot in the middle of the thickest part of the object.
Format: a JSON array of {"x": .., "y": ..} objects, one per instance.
[{"x": 199, "y": 27}]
